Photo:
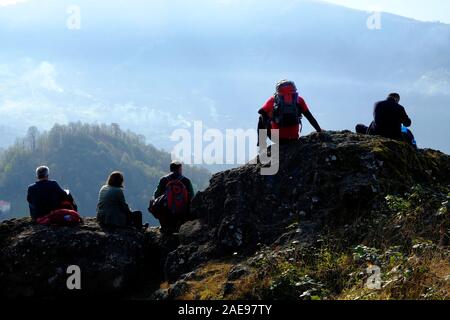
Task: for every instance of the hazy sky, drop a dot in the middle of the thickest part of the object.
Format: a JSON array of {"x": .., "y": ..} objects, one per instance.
[
  {"x": 426, "y": 10},
  {"x": 157, "y": 65}
]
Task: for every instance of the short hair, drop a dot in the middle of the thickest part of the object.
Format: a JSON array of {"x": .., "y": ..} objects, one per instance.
[
  {"x": 394, "y": 96},
  {"x": 175, "y": 166},
  {"x": 115, "y": 179},
  {"x": 42, "y": 172}
]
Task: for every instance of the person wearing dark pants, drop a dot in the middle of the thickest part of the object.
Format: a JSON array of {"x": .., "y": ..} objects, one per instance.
[{"x": 390, "y": 121}]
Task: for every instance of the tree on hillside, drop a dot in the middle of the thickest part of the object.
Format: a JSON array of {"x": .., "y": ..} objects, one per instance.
[{"x": 80, "y": 157}]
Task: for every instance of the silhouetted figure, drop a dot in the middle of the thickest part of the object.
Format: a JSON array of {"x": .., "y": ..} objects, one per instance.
[
  {"x": 44, "y": 196},
  {"x": 390, "y": 121},
  {"x": 284, "y": 111},
  {"x": 112, "y": 209},
  {"x": 172, "y": 199}
]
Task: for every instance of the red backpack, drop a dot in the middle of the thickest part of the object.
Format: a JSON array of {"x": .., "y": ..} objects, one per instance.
[
  {"x": 60, "y": 217},
  {"x": 65, "y": 216},
  {"x": 177, "y": 197}
]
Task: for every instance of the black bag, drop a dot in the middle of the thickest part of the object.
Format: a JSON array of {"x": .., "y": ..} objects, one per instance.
[
  {"x": 158, "y": 206},
  {"x": 286, "y": 114}
]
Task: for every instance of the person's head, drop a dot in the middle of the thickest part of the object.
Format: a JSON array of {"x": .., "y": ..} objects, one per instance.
[
  {"x": 286, "y": 86},
  {"x": 115, "y": 179},
  {"x": 394, "y": 96},
  {"x": 176, "y": 167},
  {"x": 42, "y": 173}
]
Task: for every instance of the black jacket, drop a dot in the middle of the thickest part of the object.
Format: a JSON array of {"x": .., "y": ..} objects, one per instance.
[
  {"x": 44, "y": 197},
  {"x": 389, "y": 116}
]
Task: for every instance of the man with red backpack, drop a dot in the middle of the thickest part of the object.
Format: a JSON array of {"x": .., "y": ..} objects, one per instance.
[
  {"x": 172, "y": 199},
  {"x": 283, "y": 112}
]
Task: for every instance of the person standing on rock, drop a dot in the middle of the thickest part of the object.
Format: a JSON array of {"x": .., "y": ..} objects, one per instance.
[
  {"x": 390, "y": 121},
  {"x": 112, "y": 209},
  {"x": 172, "y": 198},
  {"x": 283, "y": 112},
  {"x": 44, "y": 196}
]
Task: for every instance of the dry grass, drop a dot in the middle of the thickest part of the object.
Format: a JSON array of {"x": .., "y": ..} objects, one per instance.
[{"x": 209, "y": 282}]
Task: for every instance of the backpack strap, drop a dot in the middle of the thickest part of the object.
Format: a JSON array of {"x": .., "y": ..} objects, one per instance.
[{"x": 180, "y": 178}]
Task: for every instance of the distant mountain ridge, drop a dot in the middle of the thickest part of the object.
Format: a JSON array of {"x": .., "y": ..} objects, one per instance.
[
  {"x": 80, "y": 157},
  {"x": 218, "y": 65}
]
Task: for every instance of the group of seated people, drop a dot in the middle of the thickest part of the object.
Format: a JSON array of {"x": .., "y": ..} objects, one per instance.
[
  {"x": 48, "y": 200},
  {"x": 280, "y": 115}
]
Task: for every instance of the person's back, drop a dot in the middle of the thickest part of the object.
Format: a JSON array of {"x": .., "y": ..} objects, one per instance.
[
  {"x": 112, "y": 208},
  {"x": 45, "y": 195},
  {"x": 389, "y": 116},
  {"x": 172, "y": 177},
  {"x": 168, "y": 221}
]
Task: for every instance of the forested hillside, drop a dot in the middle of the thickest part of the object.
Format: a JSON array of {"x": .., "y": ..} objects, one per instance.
[{"x": 80, "y": 157}]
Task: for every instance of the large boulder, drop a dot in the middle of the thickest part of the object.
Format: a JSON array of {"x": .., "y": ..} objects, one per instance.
[
  {"x": 34, "y": 259},
  {"x": 326, "y": 179}
]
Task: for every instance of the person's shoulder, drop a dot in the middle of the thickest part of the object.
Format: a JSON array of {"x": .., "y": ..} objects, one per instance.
[
  {"x": 111, "y": 191},
  {"x": 302, "y": 103},
  {"x": 32, "y": 186},
  {"x": 53, "y": 184},
  {"x": 165, "y": 178},
  {"x": 186, "y": 179},
  {"x": 269, "y": 103}
]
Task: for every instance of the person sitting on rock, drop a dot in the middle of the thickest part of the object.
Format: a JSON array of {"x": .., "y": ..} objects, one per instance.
[
  {"x": 112, "y": 209},
  {"x": 390, "y": 121},
  {"x": 172, "y": 199},
  {"x": 283, "y": 112},
  {"x": 44, "y": 196}
]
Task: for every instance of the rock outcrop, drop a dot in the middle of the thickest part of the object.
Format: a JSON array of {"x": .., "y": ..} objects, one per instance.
[
  {"x": 331, "y": 187},
  {"x": 34, "y": 259},
  {"x": 326, "y": 179}
]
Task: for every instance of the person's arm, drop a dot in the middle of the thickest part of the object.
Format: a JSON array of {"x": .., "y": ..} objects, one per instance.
[
  {"x": 308, "y": 115},
  {"x": 267, "y": 110},
  {"x": 29, "y": 198},
  {"x": 122, "y": 202},
  {"x": 265, "y": 118},
  {"x": 30, "y": 203},
  {"x": 160, "y": 189},
  {"x": 190, "y": 190},
  {"x": 406, "y": 121},
  {"x": 62, "y": 194}
]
